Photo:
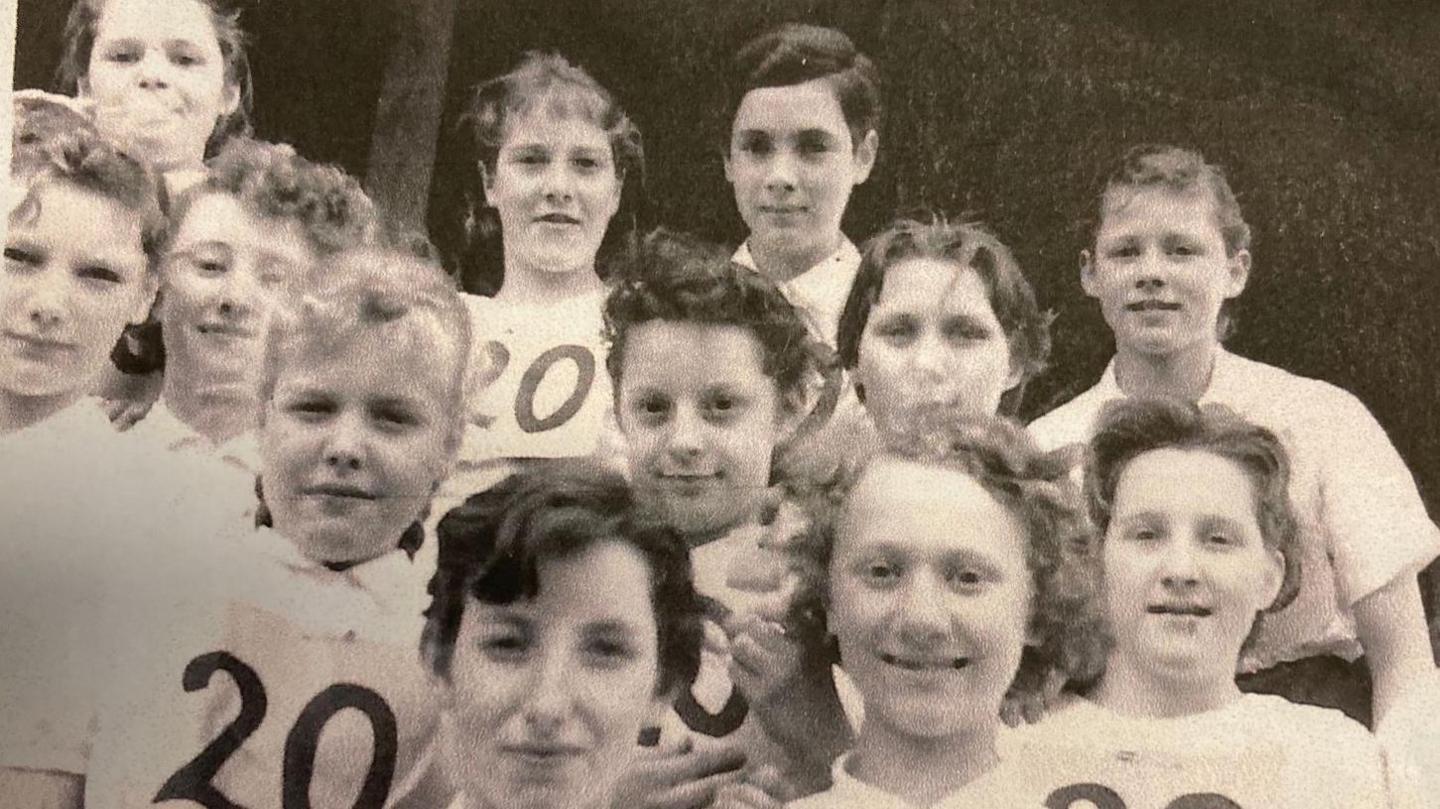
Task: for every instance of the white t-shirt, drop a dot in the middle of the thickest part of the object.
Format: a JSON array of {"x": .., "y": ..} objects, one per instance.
[
  {"x": 164, "y": 430},
  {"x": 1261, "y": 751},
  {"x": 820, "y": 291},
  {"x": 1362, "y": 523},
  {"x": 309, "y": 678},
  {"x": 1010, "y": 783}
]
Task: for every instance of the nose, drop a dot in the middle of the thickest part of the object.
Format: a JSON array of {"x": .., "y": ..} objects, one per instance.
[
  {"x": 922, "y": 617},
  {"x": 930, "y": 355},
  {"x": 548, "y": 701},
  {"x": 1179, "y": 566},
  {"x": 345, "y": 444},
  {"x": 1150, "y": 273},
  {"x": 153, "y": 69},
  {"x": 687, "y": 431},
  {"x": 557, "y": 182},
  {"x": 781, "y": 175},
  {"x": 47, "y": 302},
  {"x": 235, "y": 298}
]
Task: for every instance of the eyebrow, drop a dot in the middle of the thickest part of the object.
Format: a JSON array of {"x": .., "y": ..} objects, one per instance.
[{"x": 616, "y": 626}]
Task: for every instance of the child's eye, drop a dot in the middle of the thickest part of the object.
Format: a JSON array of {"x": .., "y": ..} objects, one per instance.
[
  {"x": 879, "y": 572},
  {"x": 185, "y": 58},
  {"x": 311, "y": 409},
  {"x": 899, "y": 331},
  {"x": 123, "y": 55},
  {"x": 813, "y": 144},
  {"x": 757, "y": 145},
  {"x": 653, "y": 406},
  {"x": 964, "y": 578},
  {"x": 211, "y": 266},
  {"x": 505, "y": 646},
  {"x": 96, "y": 272},
  {"x": 1184, "y": 250},
  {"x": 395, "y": 416},
  {"x": 966, "y": 332},
  {"x": 608, "y": 650},
  {"x": 1224, "y": 540},
  {"x": 16, "y": 255},
  {"x": 532, "y": 158},
  {"x": 722, "y": 405},
  {"x": 588, "y": 164},
  {"x": 1123, "y": 251},
  {"x": 1146, "y": 535}
]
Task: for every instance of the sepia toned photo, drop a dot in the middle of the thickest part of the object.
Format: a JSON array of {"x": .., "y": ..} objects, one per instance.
[{"x": 464, "y": 404}]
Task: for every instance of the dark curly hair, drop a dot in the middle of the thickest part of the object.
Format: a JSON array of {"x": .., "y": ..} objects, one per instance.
[
  {"x": 271, "y": 180},
  {"x": 1179, "y": 170},
  {"x": 80, "y": 30},
  {"x": 673, "y": 277},
  {"x": 492, "y": 546},
  {"x": 1027, "y": 329},
  {"x": 1130, "y": 428},
  {"x": 1061, "y": 550},
  {"x": 794, "y": 53}
]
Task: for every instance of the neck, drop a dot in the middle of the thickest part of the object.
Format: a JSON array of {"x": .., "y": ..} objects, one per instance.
[
  {"x": 781, "y": 259},
  {"x": 529, "y": 285},
  {"x": 219, "y": 414},
  {"x": 922, "y": 771},
  {"x": 1183, "y": 374},
  {"x": 1130, "y": 690},
  {"x": 18, "y": 412}
]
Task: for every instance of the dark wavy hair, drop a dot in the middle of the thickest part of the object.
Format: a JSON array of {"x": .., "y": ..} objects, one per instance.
[
  {"x": 1027, "y": 329},
  {"x": 80, "y": 31},
  {"x": 794, "y": 53},
  {"x": 676, "y": 278},
  {"x": 1061, "y": 549},
  {"x": 1130, "y": 428},
  {"x": 492, "y": 547},
  {"x": 549, "y": 79},
  {"x": 1182, "y": 171}
]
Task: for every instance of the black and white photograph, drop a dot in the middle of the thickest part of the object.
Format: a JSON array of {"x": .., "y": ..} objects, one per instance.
[{"x": 663, "y": 404}]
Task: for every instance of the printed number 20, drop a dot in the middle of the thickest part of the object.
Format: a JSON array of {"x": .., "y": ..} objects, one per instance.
[
  {"x": 193, "y": 781},
  {"x": 1104, "y": 797},
  {"x": 525, "y": 416}
]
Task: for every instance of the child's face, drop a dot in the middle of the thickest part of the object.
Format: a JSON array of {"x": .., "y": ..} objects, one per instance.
[
  {"x": 932, "y": 343},
  {"x": 1185, "y": 566},
  {"x": 929, "y": 598},
  {"x": 1160, "y": 270},
  {"x": 223, "y": 273},
  {"x": 351, "y": 459},
  {"x": 75, "y": 275},
  {"x": 547, "y": 696},
  {"x": 793, "y": 164},
  {"x": 701, "y": 420},
  {"x": 555, "y": 188},
  {"x": 158, "y": 79}
]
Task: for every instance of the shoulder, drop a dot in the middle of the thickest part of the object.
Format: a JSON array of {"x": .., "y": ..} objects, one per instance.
[
  {"x": 1072, "y": 422},
  {"x": 1325, "y": 731}
]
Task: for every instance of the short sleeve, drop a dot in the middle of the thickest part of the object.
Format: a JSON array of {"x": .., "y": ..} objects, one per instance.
[
  {"x": 1370, "y": 506},
  {"x": 1347, "y": 769}
]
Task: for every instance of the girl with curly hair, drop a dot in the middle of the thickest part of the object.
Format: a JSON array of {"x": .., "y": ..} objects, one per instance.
[
  {"x": 239, "y": 242},
  {"x": 1198, "y": 551},
  {"x": 955, "y": 551}
]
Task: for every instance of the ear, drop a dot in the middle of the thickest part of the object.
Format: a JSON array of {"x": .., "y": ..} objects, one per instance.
[
  {"x": 232, "y": 99},
  {"x": 729, "y": 171},
  {"x": 1238, "y": 267},
  {"x": 147, "y": 299},
  {"x": 82, "y": 87},
  {"x": 1087, "y": 274},
  {"x": 1274, "y": 576},
  {"x": 791, "y": 411},
  {"x": 865, "y": 153},
  {"x": 487, "y": 183}
]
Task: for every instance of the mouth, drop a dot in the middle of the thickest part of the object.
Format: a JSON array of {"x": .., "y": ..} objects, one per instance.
[
  {"x": 1152, "y": 306},
  {"x": 1187, "y": 610},
  {"x": 783, "y": 210},
  {"x": 924, "y": 663},
  {"x": 224, "y": 330},
  {"x": 37, "y": 343},
  {"x": 542, "y": 755},
  {"x": 557, "y": 219},
  {"x": 337, "y": 491}
]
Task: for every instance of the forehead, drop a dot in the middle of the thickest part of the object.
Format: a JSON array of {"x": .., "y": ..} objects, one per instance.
[
  {"x": 675, "y": 355},
  {"x": 608, "y": 580},
  {"x": 922, "y": 284},
  {"x": 403, "y": 359},
  {"x": 1185, "y": 482},
  {"x": 557, "y": 119},
  {"x": 217, "y": 217},
  {"x": 930, "y": 511},
  {"x": 87, "y": 220},
  {"x": 1131, "y": 210},
  {"x": 793, "y": 108},
  {"x": 157, "y": 20}
]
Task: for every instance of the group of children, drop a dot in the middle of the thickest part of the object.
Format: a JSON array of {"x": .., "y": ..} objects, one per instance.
[{"x": 655, "y": 524}]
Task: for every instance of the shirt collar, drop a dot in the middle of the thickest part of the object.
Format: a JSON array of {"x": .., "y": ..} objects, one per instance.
[
  {"x": 1224, "y": 379},
  {"x": 851, "y": 791},
  {"x": 161, "y": 424}
]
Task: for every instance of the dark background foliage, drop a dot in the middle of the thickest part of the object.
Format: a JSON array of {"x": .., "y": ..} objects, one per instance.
[{"x": 1325, "y": 114}]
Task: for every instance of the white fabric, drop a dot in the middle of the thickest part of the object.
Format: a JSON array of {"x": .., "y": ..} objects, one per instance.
[
  {"x": 820, "y": 291},
  {"x": 1260, "y": 751},
  {"x": 162, "y": 429},
  {"x": 1362, "y": 523},
  {"x": 1010, "y": 783},
  {"x": 1410, "y": 735},
  {"x": 307, "y": 633}
]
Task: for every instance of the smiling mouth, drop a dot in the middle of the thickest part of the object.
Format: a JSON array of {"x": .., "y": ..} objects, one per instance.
[
  {"x": 39, "y": 343},
  {"x": 782, "y": 210},
  {"x": 543, "y": 754},
  {"x": 338, "y": 490},
  {"x": 222, "y": 330},
  {"x": 557, "y": 219},
  {"x": 1152, "y": 306},
  {"x": 924, "y": 664}
]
